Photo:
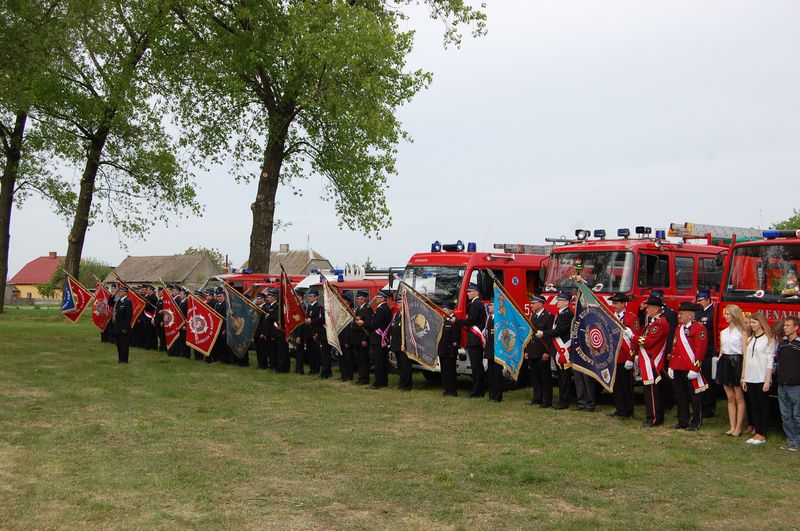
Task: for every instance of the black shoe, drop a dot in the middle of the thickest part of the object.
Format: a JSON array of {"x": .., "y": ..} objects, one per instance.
[
  {"x": 580, "y": 408},
  {"x": 616, "y": 413},
  {"x": 692, "y": 428},
  {"x": 374, "y": 387},
  {"x": 560, "y": 406},
  {"x": 495, "y": 400},
  {"x": 679, "y": 426},
  {"x": 449, "y": 394},
  {"x": 545, "y": 406},
  {"x": 532, "y": 403},
  {"x": 589, "y": 409}
]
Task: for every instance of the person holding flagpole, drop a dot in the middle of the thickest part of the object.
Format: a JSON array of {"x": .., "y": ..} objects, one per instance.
[
  {"x": 685, "y": 362},
  {"x": 537, "y": 353},
  {"x": 123, "y": 312},
  {"x": 475, "y": 323},
  {"x": 359, "y": 338},
  {"x": 559, "y": 334},
  {"x": 623, "y": 382},
  {"x": 378, "y": 340},
  {"x": 495, "y": 369}
]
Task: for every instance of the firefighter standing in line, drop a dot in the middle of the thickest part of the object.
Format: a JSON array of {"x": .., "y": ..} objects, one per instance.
[
  {"x": 448, "y": 352},
  {"x": 495, "y": 369},
  {"x": 378, "y": 328},
  {"x": 315, "y": 332},
  {"x": 652, "y": 353},
  {"x": 559, "y": 335},
  {"x": 396, "y": 346},
  {"x": 688, "y": 351},
  {"x": 623, "y": 382},
  {"x": 262, "y": 333},
  {"x": 538, "y": 355},
  {"x": 705, "y": 315},
  {"x": 475, "y": 323},
  {"x": 359, "y": 339}
]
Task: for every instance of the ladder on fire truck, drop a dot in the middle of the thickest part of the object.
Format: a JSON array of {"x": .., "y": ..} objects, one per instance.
[{"x": 717, "y": 233}]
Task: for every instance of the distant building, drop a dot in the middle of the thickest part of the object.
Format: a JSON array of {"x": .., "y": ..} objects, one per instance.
[
  {"x": 35, "y": 272},
  {"x": 299, "y": 262},
  {"x": 190, "y": 270}
]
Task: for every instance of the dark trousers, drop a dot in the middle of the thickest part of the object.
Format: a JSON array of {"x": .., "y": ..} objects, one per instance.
[
  {"x": 261, "y": 354},
  {"x": 313, "y": 355},
  {"x": 447, "y": 364},
  {"x": 758, "y": 402},
  {"x": 623, "y": 391},
  {"x": 564, "y": 386},
  {"x": 475, "y": 354},
  {"x": 404, "y": 368},
  {"x": 362, "y": 361},
  {"x": 123, "y": 345},
  {"x": 272, "y": 354},
  {"x": 377, "y": 354},
  {"x": 244, "y": 361},
  {"x": 541, "y": 381},
  {"x": 684, "y": 396},
  {"x": 184, "y": 348},
  {"x": 346, "y": 364},
  {"x": 198, "y": 356},
  {"x": 325, "y": 361},
  {"x": 282, "y": 349},
  {"x": 299, "y": 358},
  {"x": 585, "y": 391},
  {"x": 162, "y": 339},
  {"x": 653, "y": 405},
  {"x": 709, "y": 396},
  {"x": 495, "y": 380}
]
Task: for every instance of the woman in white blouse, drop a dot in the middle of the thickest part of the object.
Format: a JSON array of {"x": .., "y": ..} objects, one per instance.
[
  {"x": 732, "y": 341},
  {"x": 759, "y": 354}
]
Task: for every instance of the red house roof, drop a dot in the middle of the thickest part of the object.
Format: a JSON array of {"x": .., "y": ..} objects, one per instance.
[{"x": 38, "y": 271}]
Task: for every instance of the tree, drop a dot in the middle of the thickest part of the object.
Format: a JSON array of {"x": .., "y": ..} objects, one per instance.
[
  {"x": 106, "y": 114},
  {"x": 368, "y": 266},
  {"x": 304, "y": 88},
  {"x": 29, "y": 32},
  {"x": 90, "y": 270},
  {"x": 792, "y": 223},
  {"x": 214, "y": 254}
]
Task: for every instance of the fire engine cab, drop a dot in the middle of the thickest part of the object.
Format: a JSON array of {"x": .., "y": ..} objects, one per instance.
[
  {"x": 763, "y": 276},
  {"x": 634, "y": 266},
  {"x": 444, "y": 273}
]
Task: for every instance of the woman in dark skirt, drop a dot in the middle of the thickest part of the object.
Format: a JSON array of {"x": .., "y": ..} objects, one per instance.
[{"x": 729, "y": 368}]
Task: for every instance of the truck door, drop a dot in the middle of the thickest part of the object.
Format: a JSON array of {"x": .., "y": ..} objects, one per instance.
[{"x": 685, "y": 284}]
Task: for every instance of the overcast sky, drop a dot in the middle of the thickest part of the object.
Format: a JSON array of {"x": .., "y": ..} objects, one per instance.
[{"x": 568, "y": 114}]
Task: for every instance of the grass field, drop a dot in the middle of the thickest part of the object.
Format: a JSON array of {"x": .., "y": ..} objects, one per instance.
[{"x": 173, "y": 443}]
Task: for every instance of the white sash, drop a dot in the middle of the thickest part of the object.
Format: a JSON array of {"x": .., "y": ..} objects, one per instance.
[{"x": 699, "y": 383}]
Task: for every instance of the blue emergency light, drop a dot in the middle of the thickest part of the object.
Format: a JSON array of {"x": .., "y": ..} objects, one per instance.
[
  {"x": 472, "y": 247},
  {"x": 247, "y": 270},
  {"x": 661, "y": 234},
  {"x": 600, "y": 233},
  {"x": 314, "y": 271},
  {"x": 623, "y": 233},
  {"x": 436, "y": 247},
  {"x": 234, "y": 270}
]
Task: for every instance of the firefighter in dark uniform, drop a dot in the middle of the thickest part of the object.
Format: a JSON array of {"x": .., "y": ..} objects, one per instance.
[
  {"x": 220, "y": 348},
  {"x": 197, "y": 355},
  {"x": 359, "y": 339},
  {"x": 378, "y": 328},
  {"x": 495, "y": 375},
  {"x": 121, "y": 318},
  {"x": 623, "y": 381},
  {"x": 107, "y": 335},
  {"x": 396, "y": 346},
  {"x": 448, "y": 352},
  {"x": 475, "y": 323},
  {"x": 277, "y": 335},
  {"x": 262, "y": 333},
  {"x": 158, "y": 321},
  {"x": 211, "y": 302},
  {"x": 559, "y": 336},
  {"x": 314, "y": 332},
  {"x": 537, "y": 352},
  {"x": 151, "y": 307},
  {"x": 705, "y": 316}
]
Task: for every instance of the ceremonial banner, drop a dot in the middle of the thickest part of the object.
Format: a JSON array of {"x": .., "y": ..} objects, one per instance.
[
  {"x": 101, "y": 311},
  {"x": 337, "y": 315},
  {"x": 172, "y": 318},
  {"x": 422, "y": 327},
  {"x": 512, "y": 331},
  {"x": 241, "y": 320},
  {"x": 203, "y": 327},
  {"x": 76, "y": 298},
  {"x": 293, "y": 314},
  {"x": 596, "y": 338}
]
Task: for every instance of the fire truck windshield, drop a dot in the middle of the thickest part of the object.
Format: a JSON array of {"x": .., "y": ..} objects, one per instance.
[
  {"x": 439, "y": 283},
  {"x": 604, "y": 271},
  {"x": 764, "y": 272}
]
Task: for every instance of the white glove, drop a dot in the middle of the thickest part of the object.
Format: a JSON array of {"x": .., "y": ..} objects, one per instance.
[
  {"x": 629, "y": 364},
  {"x": 627, "y": 334},
  {"x": 671, "y": 374},
  {"x": 693, "y": 375}
]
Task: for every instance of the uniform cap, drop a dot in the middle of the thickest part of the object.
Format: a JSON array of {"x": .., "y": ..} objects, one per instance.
[
  {"x": 537, "y": 298},
  {"x": 473, "y": 286},
  {"x": 209, "y": 292},
  {"x": 219, "y": 291},
  {"x": 198, "y": 293},
  {"x": 363, "y": 295},
  {"x": 657, "y": 293},
  {"x": 313, "y": 292},
  {"x": 620, "y": 297},
  {"x": 449, "y": 305},
  {"x": 564, "y": 296},
  {"x": 382, "y": 294},
  {"x": 261, "y": 295},
  {"x": 184, "y": 289},
  {"x": 688, "y": 307},
  {"x": 273, "y": 292},
  {"x": 703, "y": 295},
  {"x": 123, "y": 288}
]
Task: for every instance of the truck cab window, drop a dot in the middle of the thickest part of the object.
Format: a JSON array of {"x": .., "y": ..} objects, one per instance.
[{"x": 653, "y": 271}]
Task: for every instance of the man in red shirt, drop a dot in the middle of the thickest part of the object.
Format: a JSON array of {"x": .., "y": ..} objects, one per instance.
[
  {"x": 688, "y": 350},
  {"x": 652, "y": 346}
]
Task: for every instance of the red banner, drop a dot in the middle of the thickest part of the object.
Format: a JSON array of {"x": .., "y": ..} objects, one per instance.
[
  {"x": 172, "y": 319},
  {"x": 138, "y": 304},
  {"x": 76, "y": 299},
  {"x": 293, "y": 314},
  {"x": 203, "y": 326},
  {"x": 101, "y": 311}
]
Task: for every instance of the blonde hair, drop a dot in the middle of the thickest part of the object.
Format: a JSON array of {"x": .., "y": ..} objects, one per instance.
[
  {"x": 758, "y": 316},
  {"x": 738, "y": 320}
]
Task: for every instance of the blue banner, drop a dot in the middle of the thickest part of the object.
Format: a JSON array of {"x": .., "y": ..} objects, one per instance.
[
  {"x": 241, "y": 320},
  {"x": 68, "y": 302},
  {"x": 596, "y": 338},
  {"x": 422, "y": 328},
  {"x": 512, "y": 331}
]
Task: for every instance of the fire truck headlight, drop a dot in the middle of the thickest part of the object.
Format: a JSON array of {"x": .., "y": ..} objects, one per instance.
[
  {"x": 459, "y": 246},
  {"x": 623, "y": 233},
  {"x": 600, "y": 233},
  {"x": 436, "y": 247},
  {"x": 581, "y": 234}
]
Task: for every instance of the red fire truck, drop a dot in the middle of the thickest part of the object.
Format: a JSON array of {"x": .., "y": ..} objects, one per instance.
[
  {"x": 635, "y": 266},
  {"x": 763, "y": 276},
  {"x": 444, "y": 273},
  {"x": 243, "y": 281}
]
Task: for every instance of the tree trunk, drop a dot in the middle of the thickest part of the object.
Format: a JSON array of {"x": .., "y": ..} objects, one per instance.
[
  {"x": 264, "y": 206},
  {"x": 80, "y": 223},
  {"x": 10, "y": 172}
]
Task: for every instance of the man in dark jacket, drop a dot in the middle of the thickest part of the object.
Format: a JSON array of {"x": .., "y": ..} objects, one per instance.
[
  {"x": 559, "y": 336},
  {"x": 314, "y": 333},
  {"x": 495, "y": 375},
  {"x": 538, "y": 355},
  {"x": 359, "y": 340},
  {"x": 396, "y": 346},
  {"x": 378, "y": 340},
  {"x": 123, "y": 312},
  {"x": 262, "y": 333},
  {"x": 705, "y": 316},
  {"x": 448, "y": 352},
  {"x": 475, "y": 324}
]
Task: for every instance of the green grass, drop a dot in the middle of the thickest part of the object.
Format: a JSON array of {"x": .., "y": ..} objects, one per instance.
[{"x": 173, "y": 443}]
